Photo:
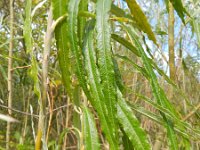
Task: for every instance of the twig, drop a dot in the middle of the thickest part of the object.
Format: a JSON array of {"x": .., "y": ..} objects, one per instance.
[
  {"x": 18, "y": 111},
  {"x": 20, "y": 67},
  {"x": 34, "y": 115},
  {"x": 64, "y": 106},
  {"x": 192, "y": 112}
]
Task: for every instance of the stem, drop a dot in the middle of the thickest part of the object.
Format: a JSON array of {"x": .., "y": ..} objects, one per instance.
[
  {"x": 47, "y": 46},
  {"x": 172, "y": 70},
  {"x": 171, "y": 42},
  {"x": 192, "y": 112},
  {"x": 10, "y": 71},
  {"x": 51, "y": 103}
]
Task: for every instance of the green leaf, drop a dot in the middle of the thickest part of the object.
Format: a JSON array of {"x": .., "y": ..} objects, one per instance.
[
  {"x": 105, "y": 63},
  {"x": 90, "y": 135},
  {"x": 126, "y": 142},
  {"x": 60, "y": 140},
  {"x": 118, "y": 77},
  {"x": 33, "y": 72},
  {"x": 157, "y": 91},
  {"x": 27, "y": 27},
  {"x": 131, "y": 125},
  {"x": 158, "y": 119},
  {"x": 74, "y": 43},
  {"x": 62, "y": 42},
  {"x": 141, "y": 19},
  {"x": 137, "y": 67},
  {"x": 83, "y": 6},
  {"x": 181, "y": 11},
  {"x": 134, "y": 50},
  {"x": 94, "y": 79},
  {"x": 27, "y": 31},
  {"x": 125, "y": 43}
]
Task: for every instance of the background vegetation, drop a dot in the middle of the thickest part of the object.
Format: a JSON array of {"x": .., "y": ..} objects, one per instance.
[{"x": 99, "y": 74}]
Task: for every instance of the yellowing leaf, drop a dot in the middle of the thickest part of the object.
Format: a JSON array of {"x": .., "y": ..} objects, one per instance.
[{"x": 141, "y": 19}]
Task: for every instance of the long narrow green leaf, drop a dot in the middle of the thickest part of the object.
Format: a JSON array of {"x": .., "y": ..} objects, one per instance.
[
  {"x": 126, "y": 142},
  {"x": 74, "y": 43},
  {"x": 157, "y": 92},
  {"x": 131, "y": 125},
  {"x": 134, "y": 50},
  {"x": 118, "y": 76},
  {"x": 118, "y": 11},
  {"x": 137, "y": 67},
  {"x": 27, "y": 27},
  {"x": 178, "y": 6},
  {"x": 90, "y": 135},
  {"x": 62, "y": 41},
  {"x": 33, "y": 72},
  {"x": 98, "y": 100},
  {"x": 158, "y": 119},
  {"x": 83, "y": 6},
  {"x": 106, "y": 67},
  {"x": 126, "y": 44},
  {"x": 141, "y": 19}
]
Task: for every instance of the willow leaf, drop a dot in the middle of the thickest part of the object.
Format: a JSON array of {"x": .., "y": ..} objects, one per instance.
[
  {"x": 60, "y": 140},
  {"x": 8, "y": 118},
  {"x": 73, "y": 9},
  {"x": 33, "y": 72},
  {"x": 27, "y": 27},
  {"x": 98, "y": 100},
  {"x": 141, "y": 19},
  {"x": 34, "y": 75},
  {"x": 90, "y": 135},
  {"x": 190, "y": 133},
  {"x": 126, "y": 142},
  {"x": 106, "y": 67},
  {"x": 131, "y": 125},
  {"x": 118, "y": 76},
  {"x": 62, "y": 41},
  {"x": 157, "y": 92},
  {"x": 134, "y": 50},
  {"x": 137, "y": 67},
  {"x": 117, "y": 11},
  {"x": 126, "y": 44},
  {"x": 178, "y": 6},
  {"x": 83, "y": 6}
]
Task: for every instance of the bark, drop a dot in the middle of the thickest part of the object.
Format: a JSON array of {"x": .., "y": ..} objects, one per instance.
[{"x": 10, "y": 71}]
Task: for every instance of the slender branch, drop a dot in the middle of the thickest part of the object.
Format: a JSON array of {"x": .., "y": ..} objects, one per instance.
[
  {"x": 56, "y": 109},
  {"x": 171, "y": 41},
  {"x": 18, "y": 111},
  {"x": 192, "y": 112},
  {"x": 11, "y": 45},
  {"x": 34, "y": 115},
  {"x": 20, "y": 67}
]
